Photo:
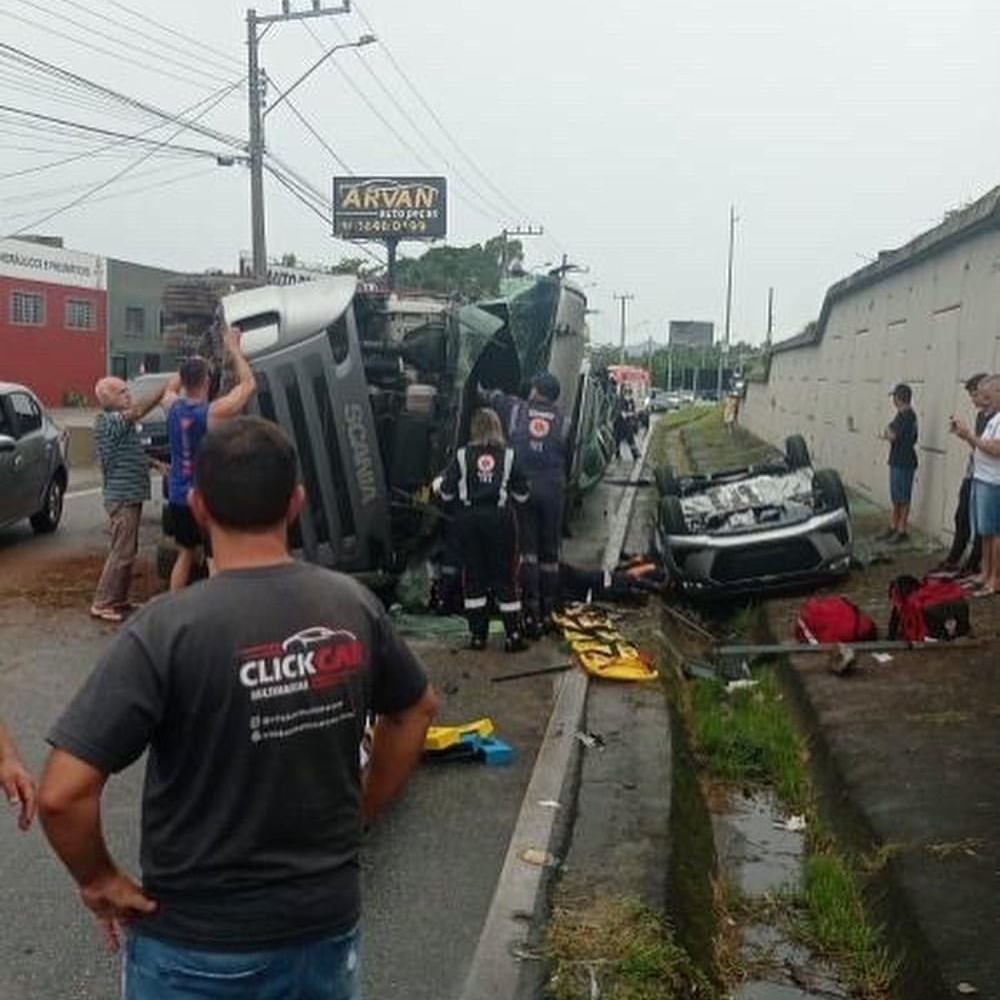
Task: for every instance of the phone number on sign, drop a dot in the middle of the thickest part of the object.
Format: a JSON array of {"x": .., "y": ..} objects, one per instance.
[{"x": 381, "y": 226}]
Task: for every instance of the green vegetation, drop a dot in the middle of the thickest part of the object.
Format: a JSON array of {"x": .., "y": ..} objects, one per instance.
[
  {"x": 746, "y": 738},
  {"x": 619, "y": 950}
]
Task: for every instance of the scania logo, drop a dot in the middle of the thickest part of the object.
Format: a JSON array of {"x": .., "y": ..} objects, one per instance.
[{"x": 357, "y": 437}]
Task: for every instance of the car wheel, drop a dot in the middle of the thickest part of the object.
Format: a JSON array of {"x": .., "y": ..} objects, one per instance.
[
  {"x": 829, "y": 490},
  {"x": 666, "y": 481},
  {"x": 48, "y": 518},
  {"x": 796, "y": 452},
  {"x": 672, "y": 521}
]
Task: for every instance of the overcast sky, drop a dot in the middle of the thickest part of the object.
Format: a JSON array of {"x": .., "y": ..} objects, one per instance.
[{"x": 626, "y": 130}]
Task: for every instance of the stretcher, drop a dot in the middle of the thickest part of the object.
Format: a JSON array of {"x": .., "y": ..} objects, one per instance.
[
  {"x": 472, "y": 741},
  {"x": 598, "y": 646}
]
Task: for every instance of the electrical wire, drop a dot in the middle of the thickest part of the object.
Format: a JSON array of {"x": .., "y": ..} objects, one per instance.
[
  {"x": 157, "y": 54},
  {"x": 493, "y": 207},
  {"x": 128, "y": 192},
  {"x": 436, "y": 119},
  {"x": 21, "y": 57},
  {"x": 189, "y": 39},
  {"x": 96, "y": 130},
  {"x": 121, "y": 173},
  {"x": 149, "y": 67}
]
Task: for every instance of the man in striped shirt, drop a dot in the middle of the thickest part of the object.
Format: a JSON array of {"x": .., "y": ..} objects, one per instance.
[{"x": 125, "y": 471}]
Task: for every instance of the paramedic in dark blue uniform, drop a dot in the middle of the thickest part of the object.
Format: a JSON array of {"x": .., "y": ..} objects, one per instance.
[
  {"x": 539, "y": 434},
  {"x": 483, "y": 481}
]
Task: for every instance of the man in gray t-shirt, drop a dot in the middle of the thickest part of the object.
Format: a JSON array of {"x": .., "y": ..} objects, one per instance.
[{"x": 250, "y": 691}]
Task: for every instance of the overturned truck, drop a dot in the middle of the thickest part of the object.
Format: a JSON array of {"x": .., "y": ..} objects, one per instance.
[{"x": 376, "y": 390}]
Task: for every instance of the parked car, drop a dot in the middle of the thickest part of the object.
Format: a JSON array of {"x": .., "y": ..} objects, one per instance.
[
  {"x": 759, "y": 528},
  {"x": 153, "y": 429},
  {"x": 33, "y": 465},
  {"x": 662, "y": 401}
]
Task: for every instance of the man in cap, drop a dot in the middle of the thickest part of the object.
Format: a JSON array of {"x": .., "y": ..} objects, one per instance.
[
  {"x": 538, "y": 431},
  {"x": 902, "y": 437}
]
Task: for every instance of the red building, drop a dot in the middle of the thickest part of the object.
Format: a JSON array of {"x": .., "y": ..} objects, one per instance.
[{"x": 53, "y": 320}]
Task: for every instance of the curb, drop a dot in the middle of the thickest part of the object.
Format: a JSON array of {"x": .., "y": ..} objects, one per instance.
[{"x": 506, "y": 965}]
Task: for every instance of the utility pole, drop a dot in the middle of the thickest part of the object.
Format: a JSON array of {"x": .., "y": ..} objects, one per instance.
[
  {"x": 770, "y": 317},
  {"x": 729, "y": 296},
  {"x": 517, "y": 231},
  {"x": 624, "y": 298},
  {"x": 256, "y": 87}
]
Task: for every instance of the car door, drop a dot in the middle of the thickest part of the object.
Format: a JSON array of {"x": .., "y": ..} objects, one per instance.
[
  {"x": 32, "y": 455},
  {"x": 9, "y": 480}
]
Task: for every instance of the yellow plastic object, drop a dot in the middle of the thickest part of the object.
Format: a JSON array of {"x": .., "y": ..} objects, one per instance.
[
  {"x": 442, "y": 737},
  {"x": 600, "y": 648}
]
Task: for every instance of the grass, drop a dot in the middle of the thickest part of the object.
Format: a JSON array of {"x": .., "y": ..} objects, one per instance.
[
  {"x": 617, "y": 949},
  {"x": 745, "y": 738}
]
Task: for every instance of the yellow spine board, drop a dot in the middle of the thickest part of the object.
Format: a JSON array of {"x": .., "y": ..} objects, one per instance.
[
  {"x": 442, "y": 737},
  {"x": 600, "y": 648}
]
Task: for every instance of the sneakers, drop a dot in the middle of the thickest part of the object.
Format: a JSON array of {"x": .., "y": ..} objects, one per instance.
[
  {"x": 886, "y": 536},
  {"x": 899, "y": 538},
  {"x": 515, "y": 643},
  {"x": 477, "y": 642}
]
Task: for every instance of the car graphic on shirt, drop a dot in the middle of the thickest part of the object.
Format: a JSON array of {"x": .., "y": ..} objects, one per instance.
[{"x": 309, "y": 638}]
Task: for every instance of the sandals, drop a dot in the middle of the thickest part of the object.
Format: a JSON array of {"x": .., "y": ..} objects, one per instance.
[{"x": 112, "y": 615}]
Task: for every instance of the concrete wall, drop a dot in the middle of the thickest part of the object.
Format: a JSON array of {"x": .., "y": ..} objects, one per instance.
[{"x": 931, "y": 323}]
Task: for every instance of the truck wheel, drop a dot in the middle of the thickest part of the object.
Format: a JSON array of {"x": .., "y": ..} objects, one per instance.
[
  {"x": 666, "y": 481},
  {"x": 796, "y": 452},
  {"x": 828, "y": 490}
]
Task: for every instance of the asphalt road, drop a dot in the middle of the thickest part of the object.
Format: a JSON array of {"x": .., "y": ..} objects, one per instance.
[{"x": 430, "y": 866}]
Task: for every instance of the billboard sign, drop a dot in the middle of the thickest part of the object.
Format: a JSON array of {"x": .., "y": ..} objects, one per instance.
[{"x": 385, "y": 208}]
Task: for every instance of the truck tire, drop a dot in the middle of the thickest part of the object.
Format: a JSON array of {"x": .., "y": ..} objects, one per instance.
[
  {"x": 829, "y": 491},
  {"x": 796, "y": 452},
  {"x": 666, "y": 481}
]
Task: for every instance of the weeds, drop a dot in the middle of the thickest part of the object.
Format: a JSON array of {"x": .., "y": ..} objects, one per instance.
[{"x": 617, "y": 949}]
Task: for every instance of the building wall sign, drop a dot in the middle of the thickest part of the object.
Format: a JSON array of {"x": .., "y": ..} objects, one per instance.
[
  {"x": 381, "y": 208},
  {"x": 51, "y": 265}
]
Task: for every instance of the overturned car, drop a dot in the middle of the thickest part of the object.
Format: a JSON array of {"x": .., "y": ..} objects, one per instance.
[{"x": 763, "y": 527}]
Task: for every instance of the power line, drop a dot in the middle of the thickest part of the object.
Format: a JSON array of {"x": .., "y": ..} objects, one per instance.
[
  {"x": 111, "y": 180},
  {"x": 132, "y": 46},
  {"x": 189, "y": 39},
  {"x": 437, "y": 121},
  {"x": 435, "y": 150},
  {"x": 95, "y": 130},
  {"x": 40, "y": 65},
  {"x": 127, "y": 192},
  {"x": 150, "y": 67}
]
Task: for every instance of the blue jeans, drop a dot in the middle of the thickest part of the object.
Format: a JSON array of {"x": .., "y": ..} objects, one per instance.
[{"x": 327, "y": 969}]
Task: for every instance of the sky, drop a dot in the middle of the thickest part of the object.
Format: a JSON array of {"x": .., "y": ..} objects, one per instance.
[{"x": 625, "y": 131}]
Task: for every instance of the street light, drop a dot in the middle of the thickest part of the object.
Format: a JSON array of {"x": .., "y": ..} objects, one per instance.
[{"x": 360, "y": 43}]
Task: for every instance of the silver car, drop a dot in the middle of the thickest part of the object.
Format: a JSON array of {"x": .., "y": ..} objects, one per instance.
[
  {"x": 33, "y": 467},
  {"x": 762, "y": 528}
]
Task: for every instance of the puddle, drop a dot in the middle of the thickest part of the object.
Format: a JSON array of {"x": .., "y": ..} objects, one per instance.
[
  {"x": 760, "y": 852},
  {"x": 755, "y": 849}
]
